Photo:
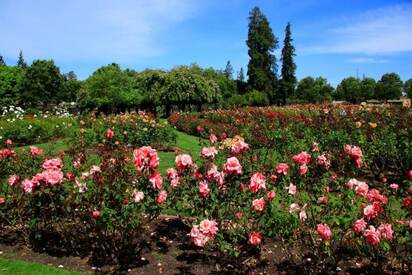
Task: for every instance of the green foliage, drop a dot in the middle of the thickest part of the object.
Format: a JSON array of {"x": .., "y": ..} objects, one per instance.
[
  {"x": 407, "y": 88},
  {"x": 368, "y": 87},
  {"x": 20, "y": 62},
  {"x": 350, "y": 90},
  {"x": 70, "y": 87},
  {"x": 2, "y": 63},
  {"x": 288, "y": 82},
  {"x": 228, "y": 70},
  {"x": 41, "y": 84},
  {"x": 389, "y": 86},
  {"x": 314, "y": 90},
  {"x": 10, "y": 85},
  {"x": 261, "y": 42},
  {"x": 109, "y": 89}
]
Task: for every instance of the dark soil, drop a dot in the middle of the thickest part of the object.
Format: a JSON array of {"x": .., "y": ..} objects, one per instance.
[{"x": 168, "y": 250}]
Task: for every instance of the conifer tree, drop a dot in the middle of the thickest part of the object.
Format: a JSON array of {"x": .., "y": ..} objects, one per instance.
[
  {"x": 21, "y": 63},
  {"x": 2, "y": 63},
  {"x": 241, "y": 75},
  {"x": 288, "y": 82},
  {"x": 228, "y": 70}
]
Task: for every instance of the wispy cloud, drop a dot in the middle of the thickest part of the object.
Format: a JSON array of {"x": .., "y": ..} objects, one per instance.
[
  {"x": 366, "y": 60},
  {"x": 94, "y": 30},
  {"x": 385, "y": 30}
]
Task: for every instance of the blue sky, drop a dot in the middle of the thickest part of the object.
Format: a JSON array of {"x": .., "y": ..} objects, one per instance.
[{"x": 333, "y": 38}]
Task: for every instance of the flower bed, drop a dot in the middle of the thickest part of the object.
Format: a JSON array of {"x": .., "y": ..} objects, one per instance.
[{"x": 234, "y": 200}]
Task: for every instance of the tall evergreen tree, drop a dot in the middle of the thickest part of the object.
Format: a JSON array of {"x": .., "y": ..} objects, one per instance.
[
  {"x": 241, "y": 75},
  {"x": 21, "y": 63},
  {"x": 2, "y": 63},
  {"x": 262, "y": 68},
  {"x": 228, "y": 70},
  {"x": 288, "y": 82}
]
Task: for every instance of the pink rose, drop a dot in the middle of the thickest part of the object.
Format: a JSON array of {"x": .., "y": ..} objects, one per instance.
[
  {"x": 28, "y": 185},
  {"x": 303, "y": 169},
  {"x": 138, "y": 196},
  {"x": 53, "y": 177},
  {"x": 374, "y": 194},
  {"x": 203, "y": 188},
  {"x": 324, "y": 231},
  {"x": 370, "y": 211},
  {"x": 386, "y": 231},
  {"x": 51, "y": 164},
  {"x": 161, "y": 197},
  {"x": 302, "y": 215},
  {"x": 232, "y": 166},
  {"x": 239, "y": 147},
  {"x": 324, "y": 161},
  {"x": 239, "y": 215},
  {"x": 361, "y": 189},
  {"x": 36, "y": 151},
  {"x": 156, "y": 180},
  {"x": 183, "y": 161},
  {"x": 257, "y": 181},
  {"x": 208, "y": 152},
  {"x": 271, "y": 195},
  {"x": 302, "y": 158},
  {"x": 13, "y": 180},
  {"x": 145, "y": 158},
  {"x": 255, "y": 238},
  {"x": 9, "y": 142},
  {"x": 95, "y": 214},
  {"x": 372, "y": 235},
  {"x": 109, "y": 133},
  {"x": 172, "y": 173},
  {"x": 212, "y": 139},
  {"x": 291, "y": 189},
  {"x": 359, "y": 225},
  {"x": 208, "y": 227},
  {"x": 394, "y": 186},
  {"x": 323, "y": 199},
  {"x": 259, "y": 204},
  {"x": 2, "y": 200},
  {"x": 273, "y": 177},
  {"x": 410, "y": 175},
  {"x": 282, "y": 168}
]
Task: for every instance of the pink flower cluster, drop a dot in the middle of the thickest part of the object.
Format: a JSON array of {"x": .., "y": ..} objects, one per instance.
[
  {"x": 282, "y": 168},
  {"x": 5, "y": 153},
  {"x": 257, "y": 181},
  {"x": 145, "y": 158},
  {"x": 203, "y": 232},
  {"x": 374, "y": 236},
  {"x": 50, "y": 176},
  {"x": 324, "y": 231},
  {"x": 232, "y": 166},
  {"x": 255, "y": 238},
  {"x": 173, "y": 176},
  {"x": 303, "y": 160},
  {"x": 183, "y": 161},
  {"x": 356, "y": 153},
  {"x": 239, "y": 147},
  {"x": 36, "y": 151},
  {"x": 208, "y": 152}
]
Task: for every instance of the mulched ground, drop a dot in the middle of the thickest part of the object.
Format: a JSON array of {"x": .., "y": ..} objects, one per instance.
[{"x": 169, "y": 251}]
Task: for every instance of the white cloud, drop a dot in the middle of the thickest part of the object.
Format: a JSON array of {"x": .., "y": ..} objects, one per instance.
[
  {"x": 385, "y": 30},
  {"x": 366, "y": 60},
  {"x": 93, "y": 30}
]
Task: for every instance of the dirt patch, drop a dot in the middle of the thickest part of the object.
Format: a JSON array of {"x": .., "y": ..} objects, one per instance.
[{"x": 168, "y": 250}]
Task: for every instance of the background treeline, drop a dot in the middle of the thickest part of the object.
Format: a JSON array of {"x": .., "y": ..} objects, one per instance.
[{"x": 113, "y": 89}]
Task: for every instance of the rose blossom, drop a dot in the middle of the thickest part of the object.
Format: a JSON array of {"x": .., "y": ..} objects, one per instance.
[
  {"x": 302, "y": 158},
  {"x": 271, "y": 195},
  {"x": 144, "y": 158},
  {"x": 324, "y": 231},
  {"x": 394, "y": 186},
  {"x": 302, "y": 214},
  {"x": 303, "y": 169},
  {"x": 374, "y": 194},
  {"x": 138, "y": 196},
  {"x": 359, "y": 225},
  {"x": 28, "y": 185},
  {"x": 183, "y": 161},
  {"x": 370, "y": 211},
  {"x": 50, "y": 164},
  {"x": 208, "y": 152},
  {"x": 172, "y": 173},
  {"x": 13, "y": 180},
  {"x": 372, "y": 235},
  {"x": 282, "y": 168},
  {"x": 2, "y": 200},
  {"x": 208, "y": 227},
  {"x": 385, "y": 231},
  {"x": 239, "y": 146},
  {"x": 53, "y": 177},
  {"x": 95, "y": 214},
  {"x": 109, "y": 133},
  {"x": 291, "y": 189},
  {"x": 156, "y": 180},
  {"x": 323, "y": 199},
  {"x": 410, "y": 175},
  {"x": 239, "y": 215},
  {"x": 259, "y": 204},
  {"x": 324, "y": 161},
  {"x": 36, "y": 151},
  {"x": 361, "y": 189},
  {"x": 257, "y": 181},
  {"x": 255, "y": 238},
  {"x": 232, "y": 166},
  {"x": 161, "y": 198},
  {"x": 212, "y": 139},
  {"x": 203, "y": 188}
]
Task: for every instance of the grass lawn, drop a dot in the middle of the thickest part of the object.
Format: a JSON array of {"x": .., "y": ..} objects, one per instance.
[{"x": 9, "y": 266}]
